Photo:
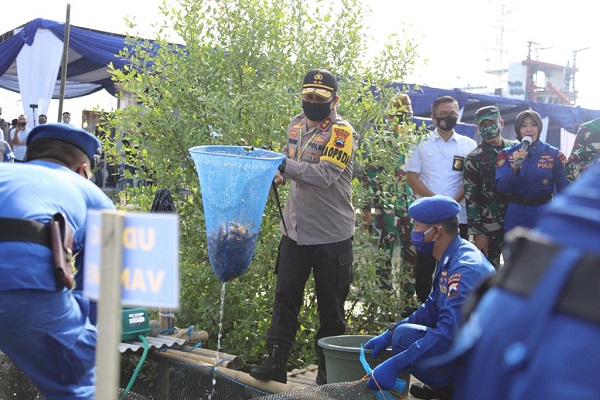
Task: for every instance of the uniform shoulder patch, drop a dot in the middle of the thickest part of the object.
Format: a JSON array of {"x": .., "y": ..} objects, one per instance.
[
  {"x": 501, "y": 160},
  {"x": 453, "y": 284},
  {"x": 338, "y": 150},
  {"x": 562, "y": 158}
]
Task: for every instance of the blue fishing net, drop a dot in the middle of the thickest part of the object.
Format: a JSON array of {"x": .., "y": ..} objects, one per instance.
[{"x": 235, "y": 183}]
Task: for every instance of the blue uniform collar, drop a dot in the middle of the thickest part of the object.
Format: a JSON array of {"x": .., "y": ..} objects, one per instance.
[
  {"x": 450, "y": 251},
  {"x": 49, "y": 164}
]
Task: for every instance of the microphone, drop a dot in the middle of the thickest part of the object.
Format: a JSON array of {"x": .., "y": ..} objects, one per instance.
[{"x": 525, "y": 142}]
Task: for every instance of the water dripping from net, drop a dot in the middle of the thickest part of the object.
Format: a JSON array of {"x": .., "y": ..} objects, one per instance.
[{"x": 221, "y": 312}]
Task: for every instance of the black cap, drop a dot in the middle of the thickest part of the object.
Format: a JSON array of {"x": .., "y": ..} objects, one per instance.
[{"x": 320, "y": 82}]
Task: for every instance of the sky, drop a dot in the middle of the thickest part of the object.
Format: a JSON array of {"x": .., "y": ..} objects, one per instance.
[{"x": 459, "y": 40}]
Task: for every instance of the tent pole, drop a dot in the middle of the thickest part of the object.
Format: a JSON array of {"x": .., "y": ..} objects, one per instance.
[{"x": 65, "y": 59}]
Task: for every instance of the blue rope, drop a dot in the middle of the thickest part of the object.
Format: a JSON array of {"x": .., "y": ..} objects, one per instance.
[{"x": 399, "y": 386}]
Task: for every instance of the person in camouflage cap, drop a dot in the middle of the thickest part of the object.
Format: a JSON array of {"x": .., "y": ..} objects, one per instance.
[
  {"x": 585, "y": 149},
  {"x": 485, "y": 206},
  {"x": 391, "y": 197}
]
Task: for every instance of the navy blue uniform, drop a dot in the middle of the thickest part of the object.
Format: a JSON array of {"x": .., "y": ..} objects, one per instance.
[
  {"x": 44, "y": 328},
  {"x": 535, "y": 334},
  {"x": 429, "y": 331},
  {"x": 532, "y": 185}
]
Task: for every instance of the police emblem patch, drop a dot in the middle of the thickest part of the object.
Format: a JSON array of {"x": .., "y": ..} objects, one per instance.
[
  {"x": 502, "y": 157},
  {"x": 453, "y": 283},
  {"x": 562, "y": 158}
]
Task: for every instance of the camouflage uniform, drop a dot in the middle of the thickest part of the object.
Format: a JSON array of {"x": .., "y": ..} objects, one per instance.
[
  {"x": 585, "y": 149},
  {"x": 391, "y": 201},
  {"x": 485, "y": 206}
]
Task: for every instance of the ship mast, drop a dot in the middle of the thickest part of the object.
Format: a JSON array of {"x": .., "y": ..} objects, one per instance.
[
  {"x": 573, "y": 77},
  {"x": 501, "y": 70}
]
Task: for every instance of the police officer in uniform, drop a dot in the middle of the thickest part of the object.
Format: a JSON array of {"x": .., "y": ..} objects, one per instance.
[
  {"x": 535, "y": 333},
  {"x": 585, "y": 149},
  {"x": 44, "y": 327},
  {"x": 529, "y": 177},
  {"x": 485, "y": 206},
  {"x": 317, "y": 226},
  {"x": 429, "y": 331}
]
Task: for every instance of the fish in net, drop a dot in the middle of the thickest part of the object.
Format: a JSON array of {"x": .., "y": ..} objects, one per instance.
[{"x": 234, "y": 182}]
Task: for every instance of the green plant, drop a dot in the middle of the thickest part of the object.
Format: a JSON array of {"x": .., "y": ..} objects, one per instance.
[{"x": 237, "y": 81}]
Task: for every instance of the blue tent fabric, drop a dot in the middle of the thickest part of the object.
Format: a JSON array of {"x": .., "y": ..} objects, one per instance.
[
  {"x": 90, "y": 52},
  {"x": 568, "y": 118}
]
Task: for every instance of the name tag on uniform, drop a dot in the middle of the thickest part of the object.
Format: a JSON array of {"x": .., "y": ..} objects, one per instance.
[{"x": 458, "y": 163}]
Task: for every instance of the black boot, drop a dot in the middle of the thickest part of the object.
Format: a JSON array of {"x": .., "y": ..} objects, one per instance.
[
  {"x": 322, "y": 371},
  {"x": 275, "y": 367}
]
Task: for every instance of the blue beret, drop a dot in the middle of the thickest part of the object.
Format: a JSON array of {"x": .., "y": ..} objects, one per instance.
[
  {"x": 79, "y": 138},
  {"x": 438, "y": 208}
]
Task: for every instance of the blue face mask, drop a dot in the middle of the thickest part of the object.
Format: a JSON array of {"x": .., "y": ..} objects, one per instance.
[{"x": 418, "y": 240}]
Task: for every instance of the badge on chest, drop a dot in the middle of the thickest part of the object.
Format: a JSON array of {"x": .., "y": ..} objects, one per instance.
[{"x": 458, "y": 163}]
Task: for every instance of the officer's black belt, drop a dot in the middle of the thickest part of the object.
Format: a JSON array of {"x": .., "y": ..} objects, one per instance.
[
  {"x": 24, "y": 230},
  {"x": 580, "y": 296},
  {"x": 529, "y": 201}
]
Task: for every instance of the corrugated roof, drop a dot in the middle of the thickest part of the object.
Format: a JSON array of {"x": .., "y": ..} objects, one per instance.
[{"x": 158, "y": 342}]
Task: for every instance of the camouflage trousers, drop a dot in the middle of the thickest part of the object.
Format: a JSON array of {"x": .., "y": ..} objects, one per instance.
[
  {"x": 495, "y": 245},
  {"x": 395, "y": 236}
]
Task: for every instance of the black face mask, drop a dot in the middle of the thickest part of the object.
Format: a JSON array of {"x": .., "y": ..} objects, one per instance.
[
  {"x": 316, "y": 111},
  {"x": 450, "y": 123}
]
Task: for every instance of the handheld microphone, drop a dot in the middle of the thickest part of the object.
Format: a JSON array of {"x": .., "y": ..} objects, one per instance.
[{"x": 524, "y": 145}]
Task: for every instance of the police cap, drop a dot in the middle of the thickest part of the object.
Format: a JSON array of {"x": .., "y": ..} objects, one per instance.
[
  {"x": 77, "y": 137},
  {"x": 430, "y": 210},
  {"x": 320, "y": 82}
]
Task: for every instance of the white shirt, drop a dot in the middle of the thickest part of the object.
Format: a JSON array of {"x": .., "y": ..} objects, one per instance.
[
  {"x": 440, "y": 165},
  {"x": 20, "y": 150}
]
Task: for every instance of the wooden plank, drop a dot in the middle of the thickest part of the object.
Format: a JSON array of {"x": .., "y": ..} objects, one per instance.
[{"x": 303, "y": 380}]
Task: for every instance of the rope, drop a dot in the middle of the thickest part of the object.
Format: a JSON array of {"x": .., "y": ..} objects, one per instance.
[{"x": 399, "y": 386}]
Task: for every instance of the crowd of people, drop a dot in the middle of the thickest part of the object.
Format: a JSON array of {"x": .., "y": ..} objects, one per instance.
[
  {"x": 457, "y": 200},
  {"x": 13, "y": 135},
  {"x": 449, "y": 211}
]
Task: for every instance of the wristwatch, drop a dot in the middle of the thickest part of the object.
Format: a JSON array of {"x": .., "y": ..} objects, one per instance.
[{"x": 281, "y": 167}]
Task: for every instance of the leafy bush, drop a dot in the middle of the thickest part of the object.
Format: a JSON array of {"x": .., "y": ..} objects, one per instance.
[{"x": 237, "y": 81}]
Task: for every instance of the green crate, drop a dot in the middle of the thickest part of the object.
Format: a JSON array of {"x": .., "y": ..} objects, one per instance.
[{"x": 134, "y": 322}]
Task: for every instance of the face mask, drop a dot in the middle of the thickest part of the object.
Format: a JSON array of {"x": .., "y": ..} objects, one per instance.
[
  {"x": 490, "y": 131},
  {"x": 418, "y": 240},
  {"x": 316, "y": 111},
  {"x": 450, "y": 123}
]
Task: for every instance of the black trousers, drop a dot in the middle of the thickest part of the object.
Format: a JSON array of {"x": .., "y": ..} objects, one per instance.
[
  {"x": 425, "y": 268},
  {"x": 331, "y": 265}
]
